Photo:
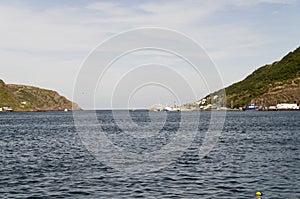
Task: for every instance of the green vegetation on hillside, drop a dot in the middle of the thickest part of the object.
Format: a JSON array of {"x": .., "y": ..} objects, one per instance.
[
  {"x": 267, "y": 86},
  {"x": 29, "y": 98},
  {"x": 260, "y": 87}
]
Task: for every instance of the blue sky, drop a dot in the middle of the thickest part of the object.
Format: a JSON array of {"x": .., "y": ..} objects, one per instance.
[{"x": 44, "y": 43}]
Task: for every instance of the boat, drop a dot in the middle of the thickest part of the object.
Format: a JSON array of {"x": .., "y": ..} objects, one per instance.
[
  {"x": 251, "y": 107},
  {"x": 167, "y": 108}
]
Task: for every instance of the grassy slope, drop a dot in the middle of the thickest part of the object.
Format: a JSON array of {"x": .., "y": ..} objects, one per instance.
[
  {"x": 267, "y": 82},
  {"x": 36, "y": 99}
]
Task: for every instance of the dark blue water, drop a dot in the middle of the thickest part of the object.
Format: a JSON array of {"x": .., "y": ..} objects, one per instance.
[{"x": 42, "y": 156}]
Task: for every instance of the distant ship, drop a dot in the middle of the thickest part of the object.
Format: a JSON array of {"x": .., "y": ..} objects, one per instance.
[
  {"x": 251, "y": 107},
  {"x": 167, "y": 108}
]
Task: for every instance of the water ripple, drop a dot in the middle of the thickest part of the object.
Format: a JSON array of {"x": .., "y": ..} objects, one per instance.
[{"x": 42, "y": 156}]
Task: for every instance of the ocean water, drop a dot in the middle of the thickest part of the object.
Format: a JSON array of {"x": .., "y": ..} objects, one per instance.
[{"x": 42, "y": 155}]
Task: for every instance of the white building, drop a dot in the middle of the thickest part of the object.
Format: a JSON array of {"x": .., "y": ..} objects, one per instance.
[
  {"x": 6, "y": 108},
  {"x": 285, "y": 106}
]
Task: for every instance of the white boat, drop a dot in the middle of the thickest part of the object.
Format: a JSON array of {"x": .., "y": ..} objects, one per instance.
[
  {"x": 286, "y": 106},
  {"x": 168, "y": 108}
]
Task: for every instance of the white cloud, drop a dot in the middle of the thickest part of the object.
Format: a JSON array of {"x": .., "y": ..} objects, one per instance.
[
  {"x": 77, "y": 29},
  {"x": 32, "y": 36},
  {"x": 110, "y": 9},
  {"x": 24, "y": 29}
]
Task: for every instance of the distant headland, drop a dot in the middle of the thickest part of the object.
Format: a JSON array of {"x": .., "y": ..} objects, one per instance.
[
  {"x": 274, "y": 86},
  {"x": 20, "y": 98}
]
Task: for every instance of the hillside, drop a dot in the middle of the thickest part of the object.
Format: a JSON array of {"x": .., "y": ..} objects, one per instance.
[
  {"x": 29, "y": 98},
  {"x": 268, "y": 85},
  {"x": 275, "y": 83}
]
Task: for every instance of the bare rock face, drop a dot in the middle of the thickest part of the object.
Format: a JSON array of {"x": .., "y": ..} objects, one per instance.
[{"x": 30, "y": 98}]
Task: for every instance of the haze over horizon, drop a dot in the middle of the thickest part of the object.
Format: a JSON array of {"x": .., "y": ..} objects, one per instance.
[{"x": 44, "y": 43}]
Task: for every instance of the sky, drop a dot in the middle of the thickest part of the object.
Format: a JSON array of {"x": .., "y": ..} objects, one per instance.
[{"x": 46, "y": 43}]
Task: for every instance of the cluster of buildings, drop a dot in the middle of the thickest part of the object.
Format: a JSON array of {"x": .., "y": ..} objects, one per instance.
[
  {"x": 9, "y": 109},
  {"x": 215, "y": 103}
]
